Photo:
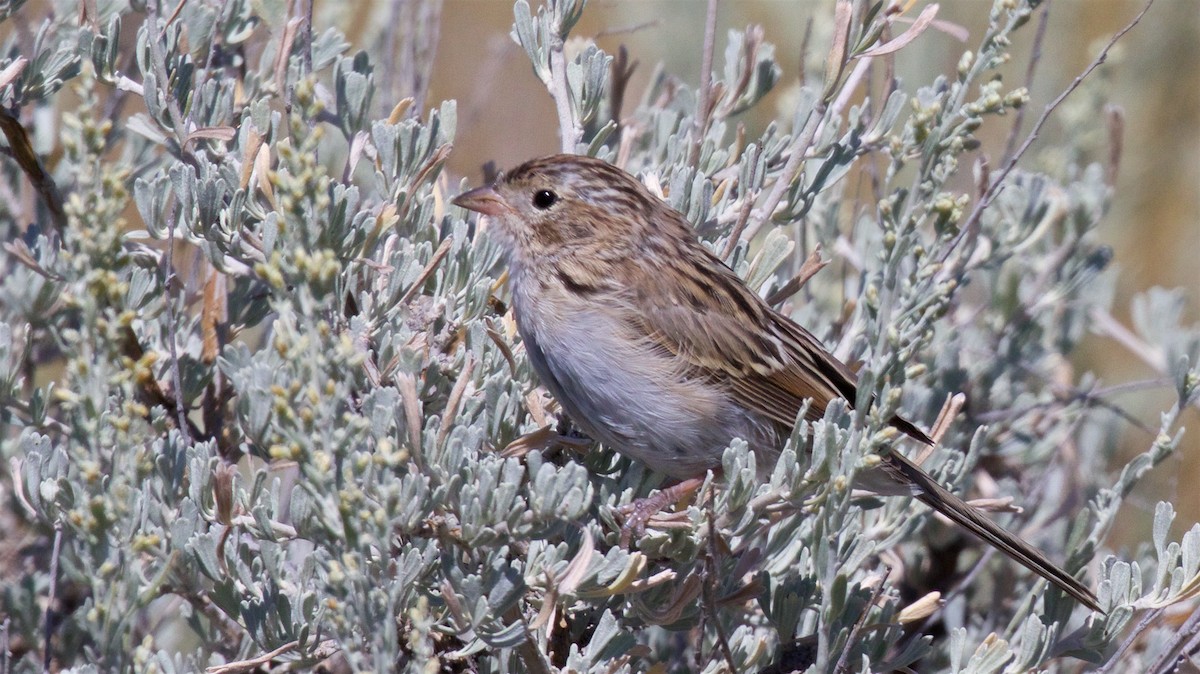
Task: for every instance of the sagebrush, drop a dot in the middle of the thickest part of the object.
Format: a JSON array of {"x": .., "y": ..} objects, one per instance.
[{"x": 263, "y": 403}]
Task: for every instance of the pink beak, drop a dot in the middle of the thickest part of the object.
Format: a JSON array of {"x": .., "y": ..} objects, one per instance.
[{"x": 482, "y": 200}]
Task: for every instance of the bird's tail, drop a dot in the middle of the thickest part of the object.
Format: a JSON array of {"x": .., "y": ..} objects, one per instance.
[{"x": 972, "y": 519}]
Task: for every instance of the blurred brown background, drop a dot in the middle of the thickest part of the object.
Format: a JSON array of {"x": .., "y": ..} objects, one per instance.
[{"x": 1153, "y": 76}]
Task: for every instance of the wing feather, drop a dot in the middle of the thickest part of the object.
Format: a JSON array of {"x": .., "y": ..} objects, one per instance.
[{"x": 728, "y": 335}]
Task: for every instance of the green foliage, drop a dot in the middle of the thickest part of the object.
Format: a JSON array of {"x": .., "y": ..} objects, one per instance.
[{"x": 263, "y": 391}]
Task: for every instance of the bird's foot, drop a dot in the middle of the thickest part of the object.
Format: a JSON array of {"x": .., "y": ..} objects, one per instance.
[{"x": 636, "y": 515}]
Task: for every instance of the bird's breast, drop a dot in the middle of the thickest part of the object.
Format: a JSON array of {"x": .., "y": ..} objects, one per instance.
[{"x": 621, "y": 388}]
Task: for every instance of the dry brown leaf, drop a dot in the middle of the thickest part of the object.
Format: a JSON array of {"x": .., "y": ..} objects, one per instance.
[{"x": 904, "y": 39}]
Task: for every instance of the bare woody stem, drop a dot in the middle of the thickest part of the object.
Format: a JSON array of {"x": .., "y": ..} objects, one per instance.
[
  {"x": 50, "y": 618},
  {"x": 704, "y": 100},
  {"x": 1035, "y": 56},
  {"x": 26, "y": 158},
  {"x": 790, "y": 170},
  {"x": 181, "y": 123},
  {"x": 560, "y": 89}
]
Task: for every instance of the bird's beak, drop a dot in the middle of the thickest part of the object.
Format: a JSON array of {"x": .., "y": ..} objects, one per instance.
[{"x": 482, "y": 200}]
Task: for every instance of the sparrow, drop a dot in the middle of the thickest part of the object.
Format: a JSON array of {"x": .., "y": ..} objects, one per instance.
[{"x": 656, "y": 348}]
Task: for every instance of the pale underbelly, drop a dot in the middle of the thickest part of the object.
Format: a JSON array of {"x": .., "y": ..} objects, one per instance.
[{"x": 636, "y": 399}]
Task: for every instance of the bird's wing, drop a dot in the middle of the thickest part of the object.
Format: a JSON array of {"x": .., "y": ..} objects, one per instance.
[{"x": 723, "y": 331}]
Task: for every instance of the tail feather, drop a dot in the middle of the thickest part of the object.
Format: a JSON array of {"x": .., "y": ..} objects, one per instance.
[
  {"x": 910, "y": 429},
  {"x": 970, "y": 518}
]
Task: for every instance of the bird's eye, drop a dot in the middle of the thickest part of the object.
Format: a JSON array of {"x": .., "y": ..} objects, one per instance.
[{"x": 543, "y": 199}]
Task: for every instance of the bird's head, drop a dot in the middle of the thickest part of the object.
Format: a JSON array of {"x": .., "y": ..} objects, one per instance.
[{"x": 568, "y": 204}]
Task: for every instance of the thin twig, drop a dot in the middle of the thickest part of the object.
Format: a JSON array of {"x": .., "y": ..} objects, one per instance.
[
  {"x": 812, "y": 264},
  {"x": 851, "y": 84},
  {"x": 1136, "y": 385},
  {"x": 950, "y": 410},
  {"x": 627, "y": 30},
  {"x": 308, "y": 37},
  {"x": 560, "y": 89},
  {"x": 31, "y": 166},
  {"x": 704, "y": 102},
  {"x": 1075, "y": 396},
  {"x": 735, "y": 234},
  {"x": 50, "y": 616},
  {"x": 1168, "y": 661},
  {"x": 844, "y": 658},
  {"x": 1144, "y": 623},
  {"x": 1191, "y": 648},
  {"x": 180, "y": 129},
  {"x": 790, "y": 170},
  {"x": 322, "y": 651},
  {"x": 1034, "y": 58},
  {"x": 1070, "y": 394},
  {"x": 1149, "y": 354},
  {"x": 430, "y": 267},
  {"x": 172, "y": 336},
  {"x": 232, "y": 634},
  {"x": 804, "y": 141},
  {"x": 152, "y": 394},
  {"x": 970, "y": 228},
  {"x": 710, "y": 570}
]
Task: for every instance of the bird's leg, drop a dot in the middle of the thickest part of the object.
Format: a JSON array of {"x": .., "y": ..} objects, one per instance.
[{"x": 635, "y": 515}]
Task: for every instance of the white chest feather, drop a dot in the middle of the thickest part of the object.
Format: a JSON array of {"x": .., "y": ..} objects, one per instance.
[{"x": 620, "y": 388}]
